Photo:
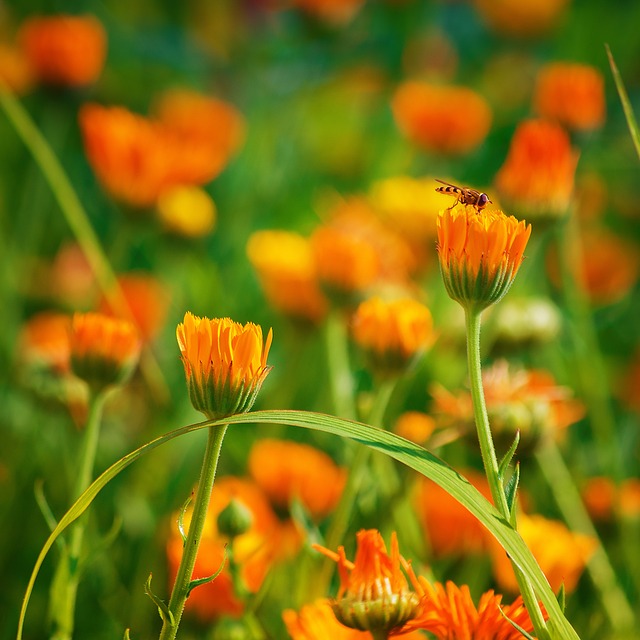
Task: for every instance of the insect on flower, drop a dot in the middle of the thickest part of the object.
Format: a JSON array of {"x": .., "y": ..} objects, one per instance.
[{"x": 464, "y": 195}]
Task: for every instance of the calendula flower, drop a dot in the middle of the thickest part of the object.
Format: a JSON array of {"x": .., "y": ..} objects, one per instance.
[
  {"x": 521, "y": 18},
  {"x": 450, "y": 120},
  {"x": 415, "y": 426},
  {"x": 285, "y": 264},
  {"x": 15, "y": 70},
  {"x": 479, "y": 254},
  {"x": 537, "y": 177},
  {"x": 44, "y": 341},
  {"x": 318, "y": 622},
  {"x": 187, "y": 211},
  {"x": 104, "y": 350},
  {"x": 599, "y": 497},
  {"x": 449, "y": 613},
  {"x": 572, "y": 94},
  {"x": 334, "y": 12},
  {"x": 289, "y": 470},
  {"x": 65, "y": 50},
  {"x": 374, "y": 594},
  {"x": 392, "y": 332},
  {"x": 225, "y": 363},
  {"x": 561, "y": 554}
]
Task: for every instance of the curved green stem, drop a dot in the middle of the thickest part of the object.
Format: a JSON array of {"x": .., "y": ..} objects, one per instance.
[
  {"x": 64, "y": 588},
  {"x": 340, "y": 377},
  {"x": 490, "y": 461},
  {"x": 182, "y": 583}
]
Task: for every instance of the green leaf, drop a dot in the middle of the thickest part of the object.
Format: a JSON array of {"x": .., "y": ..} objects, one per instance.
[
  {"x": 196, "y": 583},
  {"x": 163, "y": 609},
  {"x": 515, "y": 625},
  {"x": 185, "y": 506},
  {"x": 391, "y": 444},
  {"x": 506, "y": 460},
  {"x": 562, "y": 598},
  {"x": 511, "y": 493},
  {"x": 45, "y": 509}
]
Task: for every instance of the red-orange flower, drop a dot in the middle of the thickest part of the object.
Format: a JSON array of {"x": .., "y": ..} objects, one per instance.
[
  {"x": 443, "y": 119},
  {"x": 479, "y": 253},
  {"x": 572, "y": 94},
  {"x": 225, "y": 363},
  {"x": 537, "y": 177},
  {"x": 521, "y": 18},
  {"x": 65, "y": 50},
  {"x": 290, "y": 470}
]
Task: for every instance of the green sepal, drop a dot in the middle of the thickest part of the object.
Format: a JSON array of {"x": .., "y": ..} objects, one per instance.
[
  {"x": 562, "y": 598},
  {"x": 515, "y": 625},
  {"x": 511, "y": 493},
  {"x": 506, "y": 460},
  {"x": 185, "y": 506},
  {"x": 163, "y": 610},
  {"x": 200, "y": 581}
]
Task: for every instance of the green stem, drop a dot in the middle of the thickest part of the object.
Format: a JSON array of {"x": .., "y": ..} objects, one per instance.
[
  {"x": 567, "y": 497},
  {"x": 340, "y": 376},
  {"x": 64, "y": 587},
  {"x": 490, "y": 461},
  {"x": 201, "y": 504},
  {"x": 379, "y": 634}
]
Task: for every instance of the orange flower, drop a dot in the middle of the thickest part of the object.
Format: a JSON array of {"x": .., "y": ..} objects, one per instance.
[
  {"x": 225, "y": 363},
  {"x": 318, "y": 622},
  {"x": 335, "y": 12},
  {"x": 415, "y": 426},
  {"x": 521, "y": 18},
  {"x": 450, "y": 527},
  {"x": 629, "y": 498},
  {"x": 572, "y": 94},
  {"x": 479, "y": 254},
  {"x": 187, "y": 211},
  {"x": 392, "y": 332},
  {"x": 374, "y": 593},
  {"x": 15, "y": 71},
  {"x": 290, "y": 470},
  {"x": 286, "y": 268},
  {"x": 561, "y": 554},
  {"x": 443, "y": 119},
  {"x": 450, "y": 614},
  {"x": 147, "y": 303},
  {"x": 44, "y": 340},
  {"x": 103, "y": 350},
  {"x": 65, "y": 50},
  {"x": 537, "y": 177},
  {"x": 599, "y": 496}
]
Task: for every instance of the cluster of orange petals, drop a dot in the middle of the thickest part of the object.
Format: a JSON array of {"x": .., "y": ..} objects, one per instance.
[
  {"x": 64, "y": 50},
  {"x": 285, "y": 264},
  {"x": 451, "y": 120},
  {"x": 289, "y": 470},
  {"x": 604, "y": 499},
  {"x": 138, "y": 158},
  {"x": 521, "y": 18},
  {"x": 44, "y": 340},
  {"x": 537, "y": 177},
  {"x": 336, "y": 12},
  {"x": 572, "y": 94}
]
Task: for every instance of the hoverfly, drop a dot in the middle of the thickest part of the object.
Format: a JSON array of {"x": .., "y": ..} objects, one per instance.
[{"x": 464, "y": 195}]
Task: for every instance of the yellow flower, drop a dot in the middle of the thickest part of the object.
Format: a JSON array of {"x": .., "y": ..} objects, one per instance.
[
  {"x": 104, "y": 350},
  {"x": 392, "y": 332},
  {"x": 187, "y": 211},
  {"x": 225, "y": 363},
  {"x": 415, "y": 426},
  {"x": 374, "y": 594},
  {"x": 479, "y": 253}
]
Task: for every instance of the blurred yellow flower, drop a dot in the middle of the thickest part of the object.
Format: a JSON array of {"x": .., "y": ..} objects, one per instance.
[
  {"x": 572, "y": 94},
  {"x": 15, "y": 70},
  {"x": 285, "y": 265},
  {"x": 187, "y": 211},
  {"x": 65, "y": 50},
  {"x": 451, "y": 120},
  {"x": 225, "y": 363},
  {"x": 521, "y": 18},
  {"x": 415, "y": 426}
]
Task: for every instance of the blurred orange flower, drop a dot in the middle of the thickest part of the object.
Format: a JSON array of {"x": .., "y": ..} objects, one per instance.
[
  {"x": 599, "y": 496},
  {"x": 521, "y": 18},
  {"x": 71, "y": 277},
  {"x": 15, "y": 71},
  {"x": 561, "y": 554},
  {"x": 537, "y": 177},
  {"x": 187, "y": 211},
  {"x": 287, "y": 470},
  {"x": 44, "y": 340},
  {"x": 451, "y": 529},
  {"x": 318, "y": 622},
  {"x": 451, "y": 120},
  {"x": 335, "y": 12},
  {"x": 415, "y": 426},
  {"x": 65, "y": 50},
  {"x": 284, "y": 262},
  {"x": 572, "y": 94},
  {"x": 629, "y": 498}
]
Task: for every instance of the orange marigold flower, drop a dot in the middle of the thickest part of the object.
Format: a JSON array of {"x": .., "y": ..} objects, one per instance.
[
  {"x": 561, "y": 554},
  {"x": 335, "y": 12},
  {"x": 572, "y": 94},
  {"x": 450, "y": 527},
  {"x": 537, "y": 177},
  {"x": 187, "y": 211},
  {"x": 65, "y": 50},
  {"x": 15, "y": 71},
  {"x": 318, "y": 622},
  {"x": 290, "y": 470},
  {"x": 629, "y": 498},
  {"x": 479, "y": 254},
  {"x": 104, "y": 350},
  {"x": 444, "y": 119},
  {"x": 599, "y": 496},
  {"x": 392, "y": 332},
  {"x": 521, "y": 18},
  {"x": 44, "y": 340},
  {"x": 415, "y": 426},
  {"x": 450, "y": 614},
  {"x": 374, "y": 594},
  {"x": 286, "y": 268},
  {"x": 225, "y": 363}
]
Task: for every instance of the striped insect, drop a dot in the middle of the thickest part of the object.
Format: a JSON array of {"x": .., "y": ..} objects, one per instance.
[{"x": 464, "y": 195}]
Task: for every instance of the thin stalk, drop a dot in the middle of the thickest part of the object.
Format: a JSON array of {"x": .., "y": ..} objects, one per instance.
[
  {"x": 182, "y": 583},
  {"x": 67, "y": 576},
  {"x": 490, "y": 461},
  {"x": 567, "y": 497},
  {"x": 340, "y": 377}
]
